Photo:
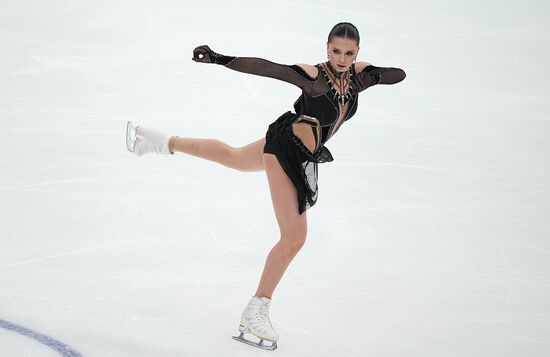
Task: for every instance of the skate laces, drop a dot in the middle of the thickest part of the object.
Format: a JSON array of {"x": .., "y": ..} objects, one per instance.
[
  {"x": 260, "y": 310},
  {"x": 262, "y": 316}
]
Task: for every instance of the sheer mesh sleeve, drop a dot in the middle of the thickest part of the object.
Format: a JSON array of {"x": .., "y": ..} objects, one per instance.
[
  {"x": 373, "y": 75},
  {"x": 293, "y": 74}
]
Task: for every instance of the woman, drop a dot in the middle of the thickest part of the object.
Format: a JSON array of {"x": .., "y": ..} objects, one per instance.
[{"x": 293, "y": 146}]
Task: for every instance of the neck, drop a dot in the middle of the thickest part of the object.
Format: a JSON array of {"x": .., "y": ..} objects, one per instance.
[{"x": 335, "y": 72}]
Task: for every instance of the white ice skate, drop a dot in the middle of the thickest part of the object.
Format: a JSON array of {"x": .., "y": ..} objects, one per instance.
[
  {"x": 255, "y": 320},
  {"x": 140, "y": 141}
]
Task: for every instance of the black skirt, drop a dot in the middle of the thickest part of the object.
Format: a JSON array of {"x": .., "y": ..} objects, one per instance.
[{"x": 299, "y": 164}]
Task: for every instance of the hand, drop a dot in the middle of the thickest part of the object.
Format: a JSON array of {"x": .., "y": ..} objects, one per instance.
[{"x": 202, "y": 54}]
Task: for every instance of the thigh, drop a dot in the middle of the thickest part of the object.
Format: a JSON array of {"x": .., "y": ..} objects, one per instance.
[
  {"x": 250, "y": 157},
  {"x": 285, "y": 201}
]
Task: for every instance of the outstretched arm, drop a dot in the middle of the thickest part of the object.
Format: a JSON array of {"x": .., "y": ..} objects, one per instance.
[
  {"x": 372, "y": 75},
  {"x": 293, "y": 74}
]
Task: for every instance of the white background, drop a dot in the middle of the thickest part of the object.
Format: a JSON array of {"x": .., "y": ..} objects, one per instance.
[{"x": 430, "y": 235}]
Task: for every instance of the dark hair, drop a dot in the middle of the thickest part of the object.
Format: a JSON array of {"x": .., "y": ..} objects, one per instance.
[{"x": 345, "y": 30}]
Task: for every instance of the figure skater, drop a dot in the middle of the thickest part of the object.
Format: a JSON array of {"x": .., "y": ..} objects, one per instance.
[{"x": 289, "y": 153}]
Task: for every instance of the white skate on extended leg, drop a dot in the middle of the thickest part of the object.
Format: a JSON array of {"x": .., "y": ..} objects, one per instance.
[
  {"x": 130, "y": 136},
  {"x": 140, "y": 141},
  {"x": 255, "y": 320}
]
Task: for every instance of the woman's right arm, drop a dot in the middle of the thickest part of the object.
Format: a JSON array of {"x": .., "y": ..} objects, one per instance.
[{"x": 293, "y": 74}]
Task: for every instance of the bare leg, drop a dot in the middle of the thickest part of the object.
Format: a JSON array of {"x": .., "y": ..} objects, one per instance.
[
  {"x": 293, "y": 227},
  {"x": 245, "y": 158}
]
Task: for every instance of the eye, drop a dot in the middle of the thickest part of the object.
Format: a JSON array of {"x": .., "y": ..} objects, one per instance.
[
  {"x": 335, "y": 51},
  {"x": 350, "y": 53}
]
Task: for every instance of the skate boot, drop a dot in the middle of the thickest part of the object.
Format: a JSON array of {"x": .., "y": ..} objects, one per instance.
[
  {"x": 255, "y": 320},
  {"x": 140, "y": 141}
]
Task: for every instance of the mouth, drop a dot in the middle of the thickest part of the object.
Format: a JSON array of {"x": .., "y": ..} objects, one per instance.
[{"x": 341, "y": 67}]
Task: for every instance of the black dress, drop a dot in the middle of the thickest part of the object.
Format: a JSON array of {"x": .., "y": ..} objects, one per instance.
[{"x": 325, "y": 104}]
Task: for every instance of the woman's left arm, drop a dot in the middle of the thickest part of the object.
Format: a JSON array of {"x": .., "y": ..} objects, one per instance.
[{"x": 371, "y": 75}]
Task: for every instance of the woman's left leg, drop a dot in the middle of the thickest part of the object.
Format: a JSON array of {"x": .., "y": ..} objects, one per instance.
[{"x": 292, "y": 226}]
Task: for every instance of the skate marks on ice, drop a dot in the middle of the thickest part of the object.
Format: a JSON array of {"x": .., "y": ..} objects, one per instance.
[{"x": 54, "y": 344}]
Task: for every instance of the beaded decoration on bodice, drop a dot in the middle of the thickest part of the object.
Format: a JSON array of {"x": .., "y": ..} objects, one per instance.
[
  {"x": 328, "y": 110},
  {"x": 339, "y": 82}
]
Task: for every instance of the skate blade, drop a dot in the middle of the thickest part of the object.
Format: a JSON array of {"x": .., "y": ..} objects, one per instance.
[
  {"x": 130, "y": 137},
  {"x": 260, "y": 344}
]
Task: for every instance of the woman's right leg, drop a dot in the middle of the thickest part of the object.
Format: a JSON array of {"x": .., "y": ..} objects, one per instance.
[{"x": 246, "y": 158}]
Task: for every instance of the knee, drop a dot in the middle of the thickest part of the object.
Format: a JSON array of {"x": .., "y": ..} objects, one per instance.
[{"x": 292, "y": 245}]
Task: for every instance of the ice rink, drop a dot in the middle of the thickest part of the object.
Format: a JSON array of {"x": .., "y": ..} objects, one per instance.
[{"x": 430, "y": 236}]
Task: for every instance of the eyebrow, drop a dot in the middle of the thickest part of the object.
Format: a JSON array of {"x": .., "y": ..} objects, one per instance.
[{"x": 340, "y": 49}]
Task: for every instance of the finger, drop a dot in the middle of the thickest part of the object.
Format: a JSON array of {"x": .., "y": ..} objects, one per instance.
[
  {"x": 199, "y": 54},
  {"x": 203, "y": 49}
]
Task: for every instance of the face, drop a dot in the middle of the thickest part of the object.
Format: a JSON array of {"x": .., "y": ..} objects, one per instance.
[{"x": 342, "y": 52}]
